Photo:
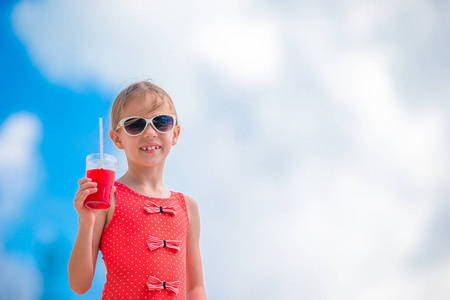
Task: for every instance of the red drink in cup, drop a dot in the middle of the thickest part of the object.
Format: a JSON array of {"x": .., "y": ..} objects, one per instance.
[{"x": 103, "y": 171}]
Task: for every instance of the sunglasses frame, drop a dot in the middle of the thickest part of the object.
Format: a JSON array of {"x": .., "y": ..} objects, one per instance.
[{"x": 148, "y": 121}]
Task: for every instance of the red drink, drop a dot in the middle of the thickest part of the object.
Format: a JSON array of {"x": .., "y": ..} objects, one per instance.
[{"x": 105, "y": 180}]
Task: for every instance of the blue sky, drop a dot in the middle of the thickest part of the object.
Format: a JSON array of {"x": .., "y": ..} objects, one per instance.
[
  {"x": 36, "y": 240},
  {"x": 314, "y": 138}
]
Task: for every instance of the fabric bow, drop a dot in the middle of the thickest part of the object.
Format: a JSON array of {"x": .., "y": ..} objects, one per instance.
[
  {"x": 154, "y": 284},
  {"x": 154, "y": 243},
  {"x": 152, "y": 208}
]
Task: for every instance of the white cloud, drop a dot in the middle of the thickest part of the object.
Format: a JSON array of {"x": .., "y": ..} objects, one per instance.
[
  {"x": 402, "y": 139},
  {"x": 20, "y": 278},
  {"x": 247, "y": 50},
  {"x": 20, "y": 165},
  {"x": 20, "y": 162},
  {"x": 109, "y": 42},
  {"x": 324, "y": 182}
]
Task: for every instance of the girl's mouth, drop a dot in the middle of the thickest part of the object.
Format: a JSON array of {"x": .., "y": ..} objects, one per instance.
[{"x": 150, "y": 148}]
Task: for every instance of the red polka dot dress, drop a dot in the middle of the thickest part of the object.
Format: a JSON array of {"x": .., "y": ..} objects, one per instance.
[{"x": 144, "y": 247}]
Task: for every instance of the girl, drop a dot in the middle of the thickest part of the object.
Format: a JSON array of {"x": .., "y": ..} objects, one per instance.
[{"x": 149, "y": 237}]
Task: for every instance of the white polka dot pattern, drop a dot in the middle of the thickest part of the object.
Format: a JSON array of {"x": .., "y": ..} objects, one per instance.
[{"x": 129, "y": 261}]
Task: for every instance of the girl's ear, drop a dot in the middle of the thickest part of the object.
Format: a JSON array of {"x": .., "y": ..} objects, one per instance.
[
  {"x": 176, "y": 134},
  {"x": 114, "y": 135}
]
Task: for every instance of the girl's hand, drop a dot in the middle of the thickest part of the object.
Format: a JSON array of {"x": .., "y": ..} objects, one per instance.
[{"x": 87, "y": 187}]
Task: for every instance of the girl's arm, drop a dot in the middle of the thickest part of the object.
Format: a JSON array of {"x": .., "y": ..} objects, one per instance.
[
  {"x": 194, "y": 271},
  {"x": 83, "y": 259}
]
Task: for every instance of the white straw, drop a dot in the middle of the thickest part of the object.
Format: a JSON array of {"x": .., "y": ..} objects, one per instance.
[{"x": 100, "y": 121}]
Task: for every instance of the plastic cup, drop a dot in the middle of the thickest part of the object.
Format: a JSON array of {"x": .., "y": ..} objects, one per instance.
[{"x": 104, "y": 175}]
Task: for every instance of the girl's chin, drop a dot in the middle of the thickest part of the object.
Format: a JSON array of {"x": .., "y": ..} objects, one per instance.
[{"x": 150, "y": 162}]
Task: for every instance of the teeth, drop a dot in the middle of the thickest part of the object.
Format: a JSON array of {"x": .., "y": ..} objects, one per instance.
[{"x": 150, "y": 148}]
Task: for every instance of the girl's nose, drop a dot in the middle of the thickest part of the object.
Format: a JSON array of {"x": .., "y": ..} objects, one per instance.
[{"x": 150, "y": 131}]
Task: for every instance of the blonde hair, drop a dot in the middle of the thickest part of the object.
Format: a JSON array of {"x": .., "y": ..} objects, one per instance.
[{"x": 139, "y": 90}]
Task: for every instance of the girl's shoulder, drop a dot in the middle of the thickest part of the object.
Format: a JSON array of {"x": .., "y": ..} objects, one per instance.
[
  {"x": 190, "y": 201},
  {"x": 191, "y": 205},
  {"x": 187, "y": 202}
]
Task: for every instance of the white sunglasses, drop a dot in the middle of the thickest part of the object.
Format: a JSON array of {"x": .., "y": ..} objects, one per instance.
[{"x": 136, "y": 125}]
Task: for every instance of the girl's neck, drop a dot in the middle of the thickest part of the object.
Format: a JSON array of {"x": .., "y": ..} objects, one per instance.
[{"x": 147, "y": 181}]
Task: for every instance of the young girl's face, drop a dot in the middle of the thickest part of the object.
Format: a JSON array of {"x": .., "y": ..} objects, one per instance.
[{"x": 137, "y": 147}]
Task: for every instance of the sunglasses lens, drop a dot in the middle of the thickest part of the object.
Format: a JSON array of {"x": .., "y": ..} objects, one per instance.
[
  {"x": 135, "y": 126},
  {"x": 163, "y": 123}
]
